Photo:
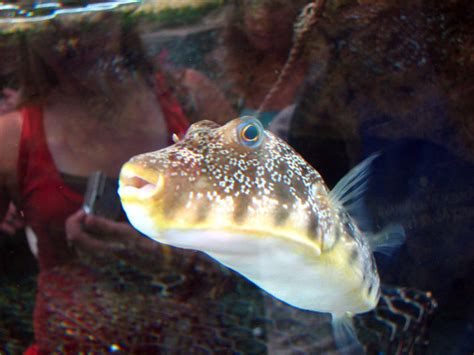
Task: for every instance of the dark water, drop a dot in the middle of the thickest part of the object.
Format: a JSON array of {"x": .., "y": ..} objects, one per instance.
[{"x": 378, "y": 77}]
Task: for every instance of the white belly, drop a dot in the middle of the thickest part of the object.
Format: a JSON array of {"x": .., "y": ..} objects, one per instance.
[{"x": 288, "y": 270}]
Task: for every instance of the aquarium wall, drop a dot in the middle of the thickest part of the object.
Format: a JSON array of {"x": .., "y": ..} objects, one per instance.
[{"x": 236, "y": 177}]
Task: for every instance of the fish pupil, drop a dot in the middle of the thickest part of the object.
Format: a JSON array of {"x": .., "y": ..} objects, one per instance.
[{"x": 250, "y": 133}]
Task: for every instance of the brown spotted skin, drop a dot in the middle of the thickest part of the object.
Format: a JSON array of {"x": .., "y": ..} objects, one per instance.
[{"x": 210, "y": 169}]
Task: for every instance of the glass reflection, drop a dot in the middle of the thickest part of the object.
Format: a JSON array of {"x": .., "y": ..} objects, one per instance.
[{"x": 85, "y": 88}]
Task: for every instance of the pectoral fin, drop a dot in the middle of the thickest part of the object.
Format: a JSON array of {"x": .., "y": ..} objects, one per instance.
[{"x": 387, "y": 240}]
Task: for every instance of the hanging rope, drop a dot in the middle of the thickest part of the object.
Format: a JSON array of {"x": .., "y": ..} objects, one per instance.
[{"x": 305, "y": 23}]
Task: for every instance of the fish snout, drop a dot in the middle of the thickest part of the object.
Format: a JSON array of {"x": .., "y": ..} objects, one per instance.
[{"x": 139, "y": 184}]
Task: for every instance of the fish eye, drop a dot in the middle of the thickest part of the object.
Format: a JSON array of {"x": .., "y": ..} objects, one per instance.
[{"x": 250, "y": 132}]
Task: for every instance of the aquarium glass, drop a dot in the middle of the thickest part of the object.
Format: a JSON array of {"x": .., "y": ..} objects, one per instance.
[{"x": 236, "y": 177}]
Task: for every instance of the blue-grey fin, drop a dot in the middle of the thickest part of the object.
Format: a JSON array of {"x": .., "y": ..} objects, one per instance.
[
  {"x": 348, "y": 193},
  {"x": 349, "y": 190},
  {"x": 345, "y": 335},
  {"x": 387, "y": 240}
]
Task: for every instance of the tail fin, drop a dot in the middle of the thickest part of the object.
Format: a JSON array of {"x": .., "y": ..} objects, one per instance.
[{"x": 345, "y": 335}]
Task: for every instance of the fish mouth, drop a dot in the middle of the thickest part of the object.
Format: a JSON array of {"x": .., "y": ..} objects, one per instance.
[{"x": 139, "y": 184}]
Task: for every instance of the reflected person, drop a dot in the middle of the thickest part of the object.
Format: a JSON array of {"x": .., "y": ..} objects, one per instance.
[
  {"x": 255, "y": 45},
  {"x": 89, "y": 99}
]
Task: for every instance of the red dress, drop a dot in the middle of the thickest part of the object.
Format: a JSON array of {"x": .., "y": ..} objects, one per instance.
[{"x": 46, "y": 203}]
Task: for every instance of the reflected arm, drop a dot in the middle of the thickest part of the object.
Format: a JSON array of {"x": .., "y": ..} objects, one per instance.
[
  {"x": 10, "y": 130},
  {"x": 208, "y": 100}
]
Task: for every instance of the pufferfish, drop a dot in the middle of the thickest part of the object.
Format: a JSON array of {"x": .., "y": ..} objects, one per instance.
[{"x": 243, "y": 196}]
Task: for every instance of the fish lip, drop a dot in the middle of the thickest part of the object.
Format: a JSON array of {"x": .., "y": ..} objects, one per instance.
[{"x": 139, "y": 185}]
